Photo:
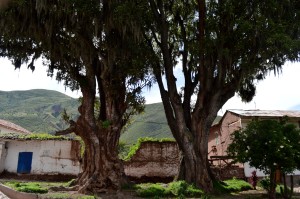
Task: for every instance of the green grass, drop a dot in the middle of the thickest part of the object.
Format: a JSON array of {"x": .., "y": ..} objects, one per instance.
[
  {"x": 42, "y": 188},
  {"x": 65, "y": 196},
  {"x": 232, "y": 185},
  {"x": 176, "y": 189},
  {"x": 28, "y": 187}
]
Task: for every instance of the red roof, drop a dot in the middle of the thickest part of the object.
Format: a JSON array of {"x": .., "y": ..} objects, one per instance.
[{"x": 14, "y": 127}]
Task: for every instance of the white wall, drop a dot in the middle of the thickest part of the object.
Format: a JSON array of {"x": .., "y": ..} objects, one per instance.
[
  {"x": 248, "y": 170},
  {"x": 49, "y": 156}
]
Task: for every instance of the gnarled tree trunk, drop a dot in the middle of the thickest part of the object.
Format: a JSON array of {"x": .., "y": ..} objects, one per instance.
[{"x": 102, "y": 169}]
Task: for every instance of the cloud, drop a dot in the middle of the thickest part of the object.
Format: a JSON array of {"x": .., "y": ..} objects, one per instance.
[{"x": 25, "y": 79}]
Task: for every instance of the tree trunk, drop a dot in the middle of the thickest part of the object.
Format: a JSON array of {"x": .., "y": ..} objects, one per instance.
[
  {"x": 194, "y": 168},
  {"x": 272, "y": 190},
  {"x": 102, "y": 169}
]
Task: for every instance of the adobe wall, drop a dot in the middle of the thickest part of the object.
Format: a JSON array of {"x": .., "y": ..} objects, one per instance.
[
  {"x": 153, "y": 162},
  {"x": 219, "y": 137}
]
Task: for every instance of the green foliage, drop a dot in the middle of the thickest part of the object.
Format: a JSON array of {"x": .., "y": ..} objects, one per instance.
[
  {"x": 179, "y": 189},
  {"x": 37, "y": 136},
  {"x": 133, "y": 149},
  {"x": 232, "y": 185},
  {"x": 264, "y": 183},
  {"x": 267, "y": 145},
  {"x": 123, "y": 149},
  {"x": 105, "y": 124}
]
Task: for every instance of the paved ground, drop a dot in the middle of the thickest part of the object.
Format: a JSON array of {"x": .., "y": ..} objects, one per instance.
[{"x": 2, "y": 196}]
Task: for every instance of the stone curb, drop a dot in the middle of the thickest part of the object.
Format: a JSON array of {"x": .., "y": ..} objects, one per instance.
[{"x": 15, "y": 194}]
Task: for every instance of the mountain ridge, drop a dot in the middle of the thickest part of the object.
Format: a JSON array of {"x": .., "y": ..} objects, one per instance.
[{"x": 37, "y": 110}]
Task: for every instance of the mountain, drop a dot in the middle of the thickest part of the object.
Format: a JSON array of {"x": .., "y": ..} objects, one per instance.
[
  {"x": 37, "y": 110},
  {"x": 151, "y": 123}
]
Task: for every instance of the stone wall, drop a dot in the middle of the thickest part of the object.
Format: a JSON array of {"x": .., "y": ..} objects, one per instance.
[
  {"x": 154, "y": 162},
  {"x": 159, "y": 162}
]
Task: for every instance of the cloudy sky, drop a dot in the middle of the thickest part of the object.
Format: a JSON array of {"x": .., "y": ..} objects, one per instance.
[{"x": 275, "y": 92}]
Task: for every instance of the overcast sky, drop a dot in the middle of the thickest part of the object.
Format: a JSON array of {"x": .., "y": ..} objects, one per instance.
[{"x": 275, "y": 92}]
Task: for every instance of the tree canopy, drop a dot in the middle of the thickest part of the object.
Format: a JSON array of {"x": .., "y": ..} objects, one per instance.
[
  {"x": 267, "y": 145},
  {"x": 93, "y": 46},
  {"x": 222, "y": 47}
]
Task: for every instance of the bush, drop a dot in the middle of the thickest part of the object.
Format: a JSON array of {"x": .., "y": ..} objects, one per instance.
[{"x": 264, "y": 183}]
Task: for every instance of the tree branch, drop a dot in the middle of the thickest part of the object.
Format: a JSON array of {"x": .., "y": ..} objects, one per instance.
[{"x": 67, "y": 131}]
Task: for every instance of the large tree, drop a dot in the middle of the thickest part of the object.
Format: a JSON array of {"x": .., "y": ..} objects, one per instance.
[
  {"x": 222, "y": 47},
  {"x": 92, "y": 46}
]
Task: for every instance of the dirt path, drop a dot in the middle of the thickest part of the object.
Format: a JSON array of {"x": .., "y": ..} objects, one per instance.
[{"x": 2, "y": 196}]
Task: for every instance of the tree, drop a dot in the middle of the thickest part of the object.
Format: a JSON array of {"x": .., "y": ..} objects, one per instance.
[
  {"x": 267, "y": 145},
  {"x": 222, "y": 47},
  {"x": 92, "y": 46}
]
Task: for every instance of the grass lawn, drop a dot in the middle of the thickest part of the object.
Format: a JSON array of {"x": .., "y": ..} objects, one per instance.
[{"x": 228, "y": 189}]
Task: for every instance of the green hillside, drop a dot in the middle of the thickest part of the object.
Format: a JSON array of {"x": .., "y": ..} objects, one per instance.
[
  {"x": 36, "y": 110},
  {"x": 151, "y": 123},
  {"x": 40, "y": 110}
]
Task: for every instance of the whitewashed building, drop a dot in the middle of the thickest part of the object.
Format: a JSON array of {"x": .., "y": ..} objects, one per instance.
[
  {"x": 21, "y": 155},
  {"x": 40, "y": 157}
]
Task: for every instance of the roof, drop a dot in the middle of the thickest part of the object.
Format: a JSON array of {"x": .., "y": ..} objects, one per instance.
[
  {"x": 265, "y": 113},
  {"x": 14, "y": 127}
]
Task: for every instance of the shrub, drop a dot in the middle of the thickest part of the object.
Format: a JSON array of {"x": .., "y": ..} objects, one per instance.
[{"x": 264, "y": 183}]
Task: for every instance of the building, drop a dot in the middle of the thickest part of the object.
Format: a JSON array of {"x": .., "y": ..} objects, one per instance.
[
  {"x": 219, "y": 137},
  {"x": 39, "y": 157},
  {"x": 21, "y": 153},
  {"x": 9, "y": 127}
]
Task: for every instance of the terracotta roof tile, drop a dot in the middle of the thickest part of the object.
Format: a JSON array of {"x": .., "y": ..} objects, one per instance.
[{"x": 12, "y": 126}]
